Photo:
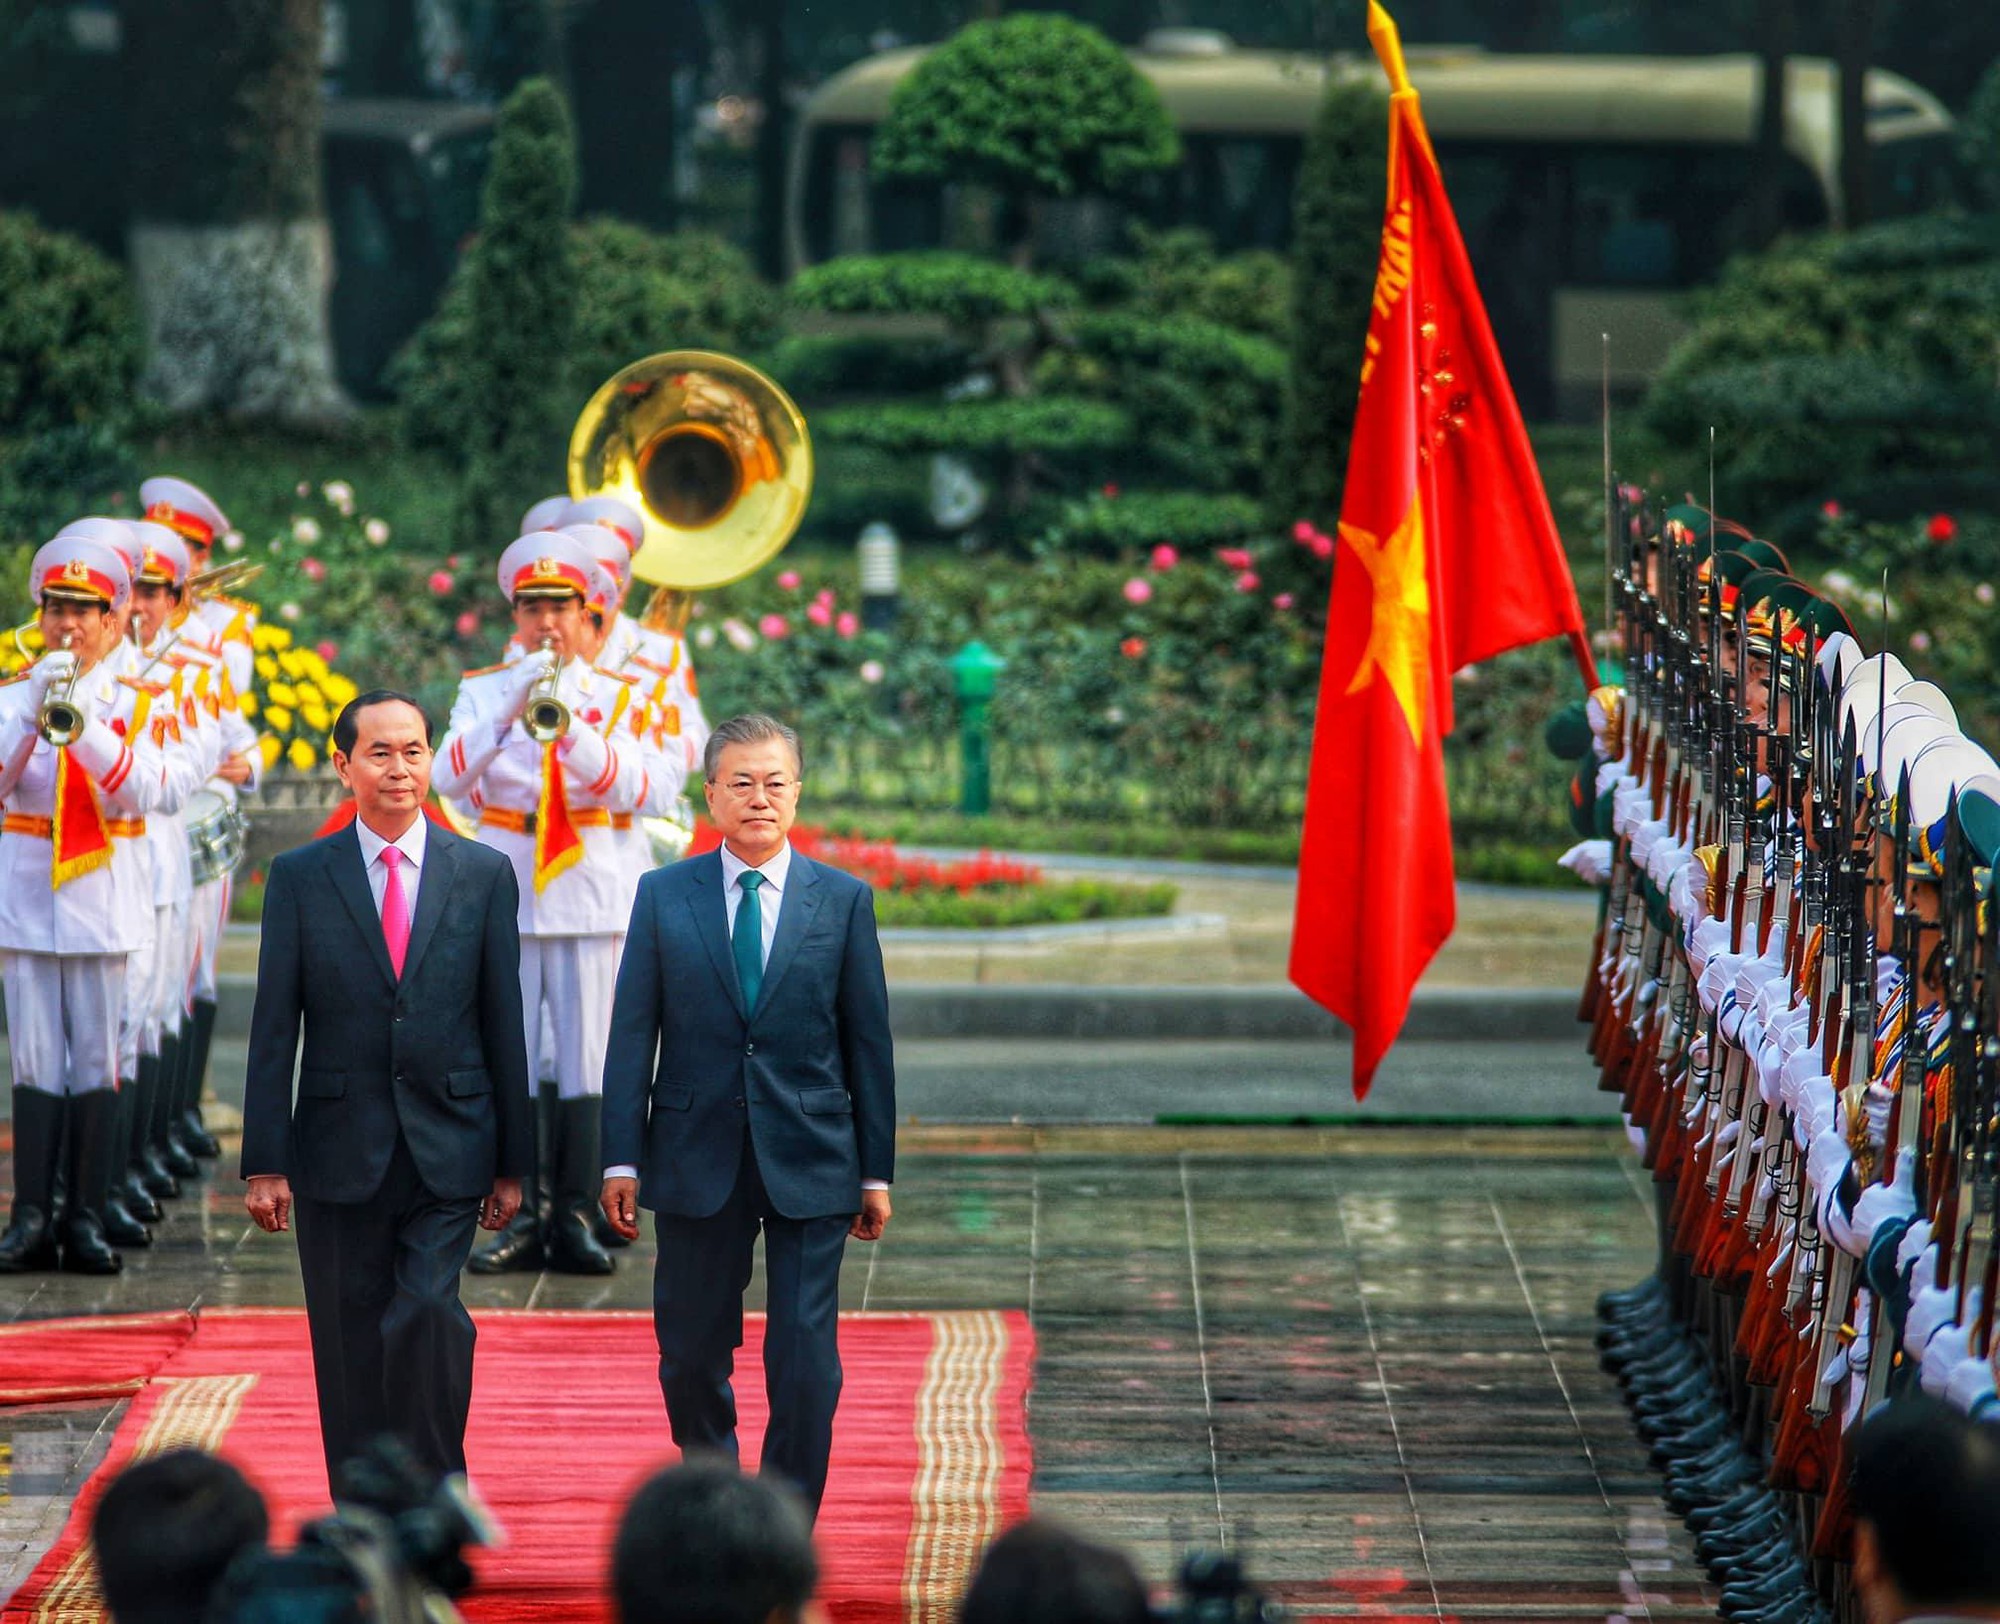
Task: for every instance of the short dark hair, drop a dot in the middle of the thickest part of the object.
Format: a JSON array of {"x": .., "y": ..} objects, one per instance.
[
  {"x": 1927, "y": 1481},
  {"x": 702, "y": 1544},
  {"x": 347, "y": 725},
  {"x": 755, "y": 728},
  {"x": 167, "y": 1529},
  {"x": 1041, "y": 1570}
]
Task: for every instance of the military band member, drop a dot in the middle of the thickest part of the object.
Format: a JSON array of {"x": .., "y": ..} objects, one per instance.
[
  {"x": 552, "y": 803},
  {"x": 79, "y": 772},
  {"x": 195, "y": 516}
]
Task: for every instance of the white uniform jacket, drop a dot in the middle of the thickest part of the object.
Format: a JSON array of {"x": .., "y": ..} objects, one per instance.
[
  {"x": 487, "y": 762},
  {"x": 108, "y": 909}
]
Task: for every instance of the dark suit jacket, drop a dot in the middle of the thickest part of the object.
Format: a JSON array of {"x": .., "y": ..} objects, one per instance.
[
  {"x": 441, "y": 1054},
  {"x": 810, "y": 1069}
]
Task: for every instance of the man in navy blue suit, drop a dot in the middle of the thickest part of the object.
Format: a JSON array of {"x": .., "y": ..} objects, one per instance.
[{"x": 750, "y": 1086}]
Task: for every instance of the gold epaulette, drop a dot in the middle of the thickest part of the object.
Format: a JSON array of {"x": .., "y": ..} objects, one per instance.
[
  {"x": 605, "y": 671},
  {"x": 484, "y": 670},
  {"x": 653, "y": 666},
  {"x": 150, "y": 689},
  {"x": 242, "y": 606}
]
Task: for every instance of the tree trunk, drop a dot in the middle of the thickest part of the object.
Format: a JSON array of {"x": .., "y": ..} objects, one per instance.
[
  {"x": 623, "y": 57},
  {"x": 1854, "y": 48},
  {"x": 230, "y": 253},
  {"x": 1776, "y": 28}
]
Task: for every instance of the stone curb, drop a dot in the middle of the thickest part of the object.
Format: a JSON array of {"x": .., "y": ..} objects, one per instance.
[{"x": 1266, "y": 1013}]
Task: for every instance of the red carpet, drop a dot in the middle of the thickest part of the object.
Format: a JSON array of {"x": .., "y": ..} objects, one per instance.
[{"x": 930, "y": 1450}]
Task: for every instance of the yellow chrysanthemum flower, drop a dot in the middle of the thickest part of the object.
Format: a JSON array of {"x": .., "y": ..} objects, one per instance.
[
  {"x": 308, "y": 694},
  {"x": 247, "y": 704},
  {"x": 316, "y": 717},
  {"x": 280, "y": 638},
  {"x": 277, "y": 718},
  {"x": 267, "y": 668},
  {"x": 315, "y": 666},
  {"x": 272, "y": 749},
  {"x": 264, "y": 638},
  {"x": 281, "y": 693},
  {"x": 339, "y": 690},
  {"x": 292, "y": 663},
  {"x": 301, "y": 756}
]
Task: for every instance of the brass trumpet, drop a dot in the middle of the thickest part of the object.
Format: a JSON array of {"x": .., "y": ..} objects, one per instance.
[
  {"x": 238, "y": 572},
  {"x": 544, "y": 716},
  {"x": 62, "y": 721}
]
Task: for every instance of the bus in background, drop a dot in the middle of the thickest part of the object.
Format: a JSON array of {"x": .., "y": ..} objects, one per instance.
[{"x": 1590, "y": 190}]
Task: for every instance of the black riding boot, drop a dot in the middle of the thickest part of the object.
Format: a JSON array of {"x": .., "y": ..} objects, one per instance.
[
  {"x": 93, "y": 1121},
  {"x": 139, "y": 1198},
  {"x": 573, "y": 1247},
  {"x": 29, "y": 1243},
  {"x": 194, "y": 1132},
  {"x": 159, "y": 1177},
  {"x": 167, "y": 1136},
  {"x": 122, "y": 1227},
  {"x": 519, "y": 1250}
]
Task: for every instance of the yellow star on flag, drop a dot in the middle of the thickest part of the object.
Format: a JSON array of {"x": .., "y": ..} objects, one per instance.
[{"x": 1399, "y": 635}]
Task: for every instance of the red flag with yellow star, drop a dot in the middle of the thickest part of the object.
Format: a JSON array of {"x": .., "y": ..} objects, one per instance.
[{"x": 1448, "y": 554}]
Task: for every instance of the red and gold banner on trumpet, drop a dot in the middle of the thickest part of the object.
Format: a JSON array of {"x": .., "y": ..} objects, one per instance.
[{"x": 1448, "y": 554}]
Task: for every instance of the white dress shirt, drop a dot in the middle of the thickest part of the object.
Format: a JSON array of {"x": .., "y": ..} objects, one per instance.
[
  {"x": 411, "y": 844},
  {"x": 777, "y": 872}
]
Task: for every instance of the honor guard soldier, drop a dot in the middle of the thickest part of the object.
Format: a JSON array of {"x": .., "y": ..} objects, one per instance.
[
  {"x": 193, "y": 515},
  {"x": 662, "y": 654},
  {"x": 79, "y": 772},
  {"x": 549, "y": 751}
]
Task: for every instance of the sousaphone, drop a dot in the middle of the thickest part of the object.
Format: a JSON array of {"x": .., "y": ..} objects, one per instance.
[{"x": 715, "y": 456}]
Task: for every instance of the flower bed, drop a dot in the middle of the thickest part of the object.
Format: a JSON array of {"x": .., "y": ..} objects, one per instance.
[{"x": 980, "y": 892}]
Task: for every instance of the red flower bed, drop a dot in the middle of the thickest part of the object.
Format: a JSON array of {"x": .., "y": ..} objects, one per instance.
[{"x": 885, "y": 868}]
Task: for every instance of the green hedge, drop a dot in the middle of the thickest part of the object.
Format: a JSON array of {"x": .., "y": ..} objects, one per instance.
[
  {"x": 1050, "y": 902},
  {"x": 961, "y": 288},
  {"x": 69, "y": 341},
  {"x": 1011, "y": 426}
]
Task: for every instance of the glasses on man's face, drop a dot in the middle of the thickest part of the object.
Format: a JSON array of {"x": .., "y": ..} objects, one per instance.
[{"x": 742, "y": 789}]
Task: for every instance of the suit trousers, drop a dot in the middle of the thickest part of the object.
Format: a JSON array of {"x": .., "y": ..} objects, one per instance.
[
  {"x": 392, "y": 1343},
  {"x": 698, "y": 1288}
]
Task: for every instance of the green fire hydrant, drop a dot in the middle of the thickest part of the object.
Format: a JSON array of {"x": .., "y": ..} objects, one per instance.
[{"x": 975, "y": 669}]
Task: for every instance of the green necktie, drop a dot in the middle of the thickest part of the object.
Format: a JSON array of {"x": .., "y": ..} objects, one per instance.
[{"x": 746, "y": 941}]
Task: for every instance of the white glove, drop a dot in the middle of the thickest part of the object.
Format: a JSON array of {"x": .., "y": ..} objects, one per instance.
[
  {"x": 50, "y": 671},
  {"x": 1589, "y": 861},
  {"x": 1881, "y": 1203},
  {"x": 1970, "y": 1381},
  {"x": 524, "y": 673},
  {"x": 1947, "y": 1347},
  {"x": 1916, "y": 1241},
  {"x": 1827, "y": 1159},
  {"x": 1930, "y": 1307}
]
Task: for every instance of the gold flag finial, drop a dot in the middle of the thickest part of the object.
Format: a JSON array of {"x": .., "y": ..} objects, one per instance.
[{"x": 1389, "y": 49}]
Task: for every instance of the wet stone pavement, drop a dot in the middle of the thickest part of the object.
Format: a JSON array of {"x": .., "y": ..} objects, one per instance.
[{"x": 1362, "y": 1353}]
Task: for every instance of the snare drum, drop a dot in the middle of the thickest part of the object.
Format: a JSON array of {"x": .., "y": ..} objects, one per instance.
[{"x": 217, "y": 833}]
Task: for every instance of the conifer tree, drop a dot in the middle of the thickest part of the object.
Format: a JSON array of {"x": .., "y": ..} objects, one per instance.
[{"x": 1336, "y": 233}]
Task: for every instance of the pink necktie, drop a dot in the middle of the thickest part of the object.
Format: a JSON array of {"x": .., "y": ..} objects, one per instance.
[{"x": 395, "y": 911}]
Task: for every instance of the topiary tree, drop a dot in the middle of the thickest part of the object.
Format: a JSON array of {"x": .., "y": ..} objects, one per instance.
[
  {"x": 230, "y": 252},
  {"x": 1336, "y": 227},
  {"x": 1033, "y": 106},
  {"x": 502, "y": 337}
]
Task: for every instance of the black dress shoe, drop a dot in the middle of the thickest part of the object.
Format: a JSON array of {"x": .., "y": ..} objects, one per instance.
[
  {"x": 517, "y": 1251},
  {"x": 195, "y": 1137},
  {"x": 139, "y": 1201},
  {"x": 179, "y": 1161},
  {"x": 29, "y": 1245},
  {"x": 1777, "y": 1586},
  {"x": 1745, "y": 1502},
  {"x": 84, "y": 1248},
  {"x": 573, "y": 1248},
  {"x": 121, "y": 1228},
  {"x": 158, "y": 1178}
]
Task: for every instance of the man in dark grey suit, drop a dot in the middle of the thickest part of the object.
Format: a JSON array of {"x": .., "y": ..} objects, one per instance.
[
  {"x": 754, "y": 975},
  {"x": 393, "y": 943}
]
